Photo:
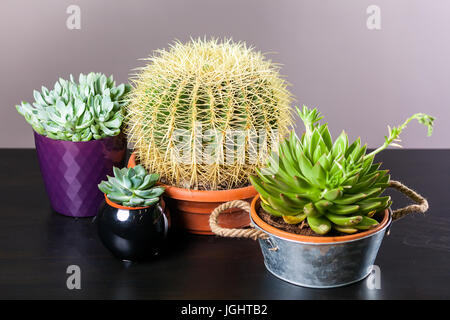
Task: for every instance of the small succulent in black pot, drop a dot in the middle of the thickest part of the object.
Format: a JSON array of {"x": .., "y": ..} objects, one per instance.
[{"x": 133, "y": 221}]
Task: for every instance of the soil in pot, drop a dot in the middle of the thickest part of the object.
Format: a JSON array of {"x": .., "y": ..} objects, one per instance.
[{"x": 302, "y": 228}]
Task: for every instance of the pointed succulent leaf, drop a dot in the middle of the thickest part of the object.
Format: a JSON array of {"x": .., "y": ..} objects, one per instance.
[
  {"x": 276, "y": 203},
  {"x": 340, "y": 145},
  {"x": 355, "y": 145},
  {"x": 149, "y": 181},
  {"x": 344, "y": 209},
  {"x": 294, "y": 219},
  {"x": 319, "y": 175},
  {"x": 333, "y": 194},
  {"x": 344, "y": 221},
  {"x": 270, "y": 210},
  {"x": 293, "y": 201},
  {"x": 151, "y": 201},
  {"x": 310, "y": 210},
  {"x": 118, "y": 197},
  {"x": 326, "y": 137},
  {"x": 105, "y": 187},
  {"x": 366, "y": 223},
  {"x": 319, "y": 225},
  {"x": 348, "y": 230},
  {"x": 323, "y": 205},
  {"x": 364, "y": 183},
  {"x": 135, "y": 201},
  {"x": 136, "y": 181},
  {"x": 350, "y": 198},
  {"x": 257, "y": 184},
  {"x": 151, "y": 193}
]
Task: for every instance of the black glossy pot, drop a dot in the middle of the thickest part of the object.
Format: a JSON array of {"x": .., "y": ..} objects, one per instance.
[{"x": 132, "y": 234}]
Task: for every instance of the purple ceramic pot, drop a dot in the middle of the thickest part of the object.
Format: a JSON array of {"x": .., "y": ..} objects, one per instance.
[{"x": 72, "y": 171}]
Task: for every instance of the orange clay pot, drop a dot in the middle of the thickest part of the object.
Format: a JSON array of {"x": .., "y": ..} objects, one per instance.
[{"x": 190, "y": 209}]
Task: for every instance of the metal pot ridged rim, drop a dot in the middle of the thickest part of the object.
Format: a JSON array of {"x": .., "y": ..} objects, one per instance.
[
  {"x": 387, "y": 224},
  {"x": 315, "y": 286}
]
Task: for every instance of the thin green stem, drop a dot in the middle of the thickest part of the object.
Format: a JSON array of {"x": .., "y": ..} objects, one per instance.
[{"x": 395, "y": 132}]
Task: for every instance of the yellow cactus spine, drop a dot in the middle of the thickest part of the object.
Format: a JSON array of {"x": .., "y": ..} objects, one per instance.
[{"x": 195, "y": 104}]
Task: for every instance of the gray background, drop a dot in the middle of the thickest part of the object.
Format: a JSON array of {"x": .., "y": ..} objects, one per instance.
[{"x": 362, "y": 80}]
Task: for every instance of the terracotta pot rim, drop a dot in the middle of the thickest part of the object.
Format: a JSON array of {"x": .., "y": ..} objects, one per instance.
[
  {"x": 203, "y": 195},
  {"x": 310, "y": 239},
  {"x": 118, "y": 206}
]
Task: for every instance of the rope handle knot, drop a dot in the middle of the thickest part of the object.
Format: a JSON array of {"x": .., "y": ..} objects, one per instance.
[
  {"x": 250, "y": 233},
  {"x": 420, "y": 206}
]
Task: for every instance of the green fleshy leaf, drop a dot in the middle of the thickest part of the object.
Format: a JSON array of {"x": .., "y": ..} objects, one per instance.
[
  {"x": 71, "y": 107},
  {"x": 127, "y": 187}
]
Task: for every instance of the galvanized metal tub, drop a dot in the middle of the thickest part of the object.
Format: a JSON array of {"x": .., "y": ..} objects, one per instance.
[
  {"x": 317, "y": 262},
  {"x": 331, "y": 263}
]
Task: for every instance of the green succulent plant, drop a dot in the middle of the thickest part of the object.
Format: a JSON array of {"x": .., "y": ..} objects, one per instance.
[
  {"x": 90, "y": 109},
  {"x": 331, "y": 185},
  {"x": 205, "y": 90},
  {"x": 132, "y": 187}
]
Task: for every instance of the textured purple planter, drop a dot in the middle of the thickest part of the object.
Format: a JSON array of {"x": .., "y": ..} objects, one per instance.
[{"x": 72, "y": 171}]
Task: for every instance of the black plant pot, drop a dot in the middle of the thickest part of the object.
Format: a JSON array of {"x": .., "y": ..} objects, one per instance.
[{"x": 133, "y": 234}]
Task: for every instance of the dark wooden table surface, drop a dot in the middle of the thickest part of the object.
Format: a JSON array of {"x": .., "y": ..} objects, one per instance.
[{"x": 37, "y": 245}]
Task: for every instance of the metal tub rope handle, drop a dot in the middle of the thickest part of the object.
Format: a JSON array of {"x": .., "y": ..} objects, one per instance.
[
  {"x": 420, "y": 206},
  {"x": 251, "y": 232}
]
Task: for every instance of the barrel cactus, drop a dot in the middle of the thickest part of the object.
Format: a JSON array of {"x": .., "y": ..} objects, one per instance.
[
  {"x": 196, "y": 110},
  {"x": 331, "y": 185},
  {"x": 89, "y": 109}
]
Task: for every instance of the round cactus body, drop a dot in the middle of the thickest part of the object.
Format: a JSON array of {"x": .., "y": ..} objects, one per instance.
[{"x": 205, "y": 114}]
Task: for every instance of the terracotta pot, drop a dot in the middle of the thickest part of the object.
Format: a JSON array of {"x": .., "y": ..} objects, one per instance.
[{"x": 191, "y": 208}]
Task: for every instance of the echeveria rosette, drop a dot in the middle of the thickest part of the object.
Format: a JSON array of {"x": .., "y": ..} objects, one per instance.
[
  {"x": 89, "y": 109},
  {"x": 132, "y": 187},
  {"x": 331, "y": 185}
]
